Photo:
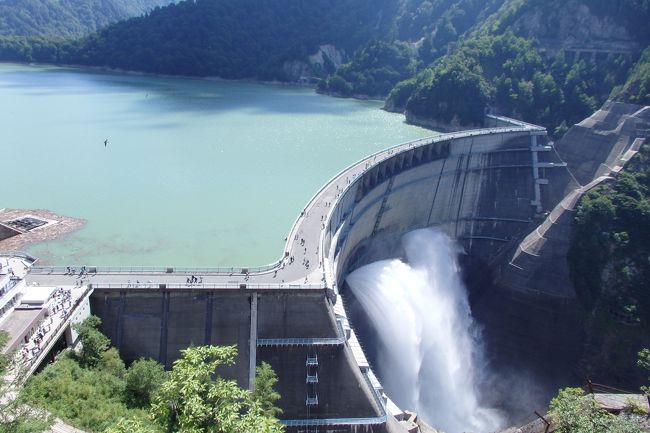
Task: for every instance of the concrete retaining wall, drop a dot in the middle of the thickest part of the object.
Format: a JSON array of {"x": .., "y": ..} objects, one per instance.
[
  {"x": 159, "y": 323},
  {"x": 7, "y": 232},
  {"x": 340, "y": 391}
]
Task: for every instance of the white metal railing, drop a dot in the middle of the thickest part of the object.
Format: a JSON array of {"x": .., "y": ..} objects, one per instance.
[
  {"x": 316, "y": 341},
  {"x": 378, "y": 420},
  {"x": 194, "y": 286},
  {"x": 152, "y": 270},
  {"x": 21, "y": 254}
]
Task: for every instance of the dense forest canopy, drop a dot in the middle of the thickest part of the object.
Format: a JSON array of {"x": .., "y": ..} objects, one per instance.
[
  {"x": 373, "y": 71},
  {"x": 226, "y": 38},
  {"x": 637, "y": 87},
  {"x": 631, "y": 15},
  {"x": 512, "y": 57},
  {"x": 437, "y": 23},
  {"x": 61, "y": 18},
  {"x": 519, "y": 62},
  {"x": 507, "y": 73}
]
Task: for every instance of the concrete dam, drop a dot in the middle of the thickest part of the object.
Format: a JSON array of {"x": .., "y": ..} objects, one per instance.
[{"x": 490, "y": 189}]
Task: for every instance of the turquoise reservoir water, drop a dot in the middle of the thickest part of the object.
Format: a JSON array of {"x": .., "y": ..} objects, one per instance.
[{"x": 195, "y": 172}]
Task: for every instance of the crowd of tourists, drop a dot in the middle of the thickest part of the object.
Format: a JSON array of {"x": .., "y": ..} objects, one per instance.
[{"x": 59, "y": 306}]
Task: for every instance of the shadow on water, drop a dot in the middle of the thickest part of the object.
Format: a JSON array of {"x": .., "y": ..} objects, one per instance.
[
  {"x": 178, "y": 149},
  {"x": 177, "y": 94}
]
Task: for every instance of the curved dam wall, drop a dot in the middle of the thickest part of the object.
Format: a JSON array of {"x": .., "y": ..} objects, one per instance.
[
  {"x": 488, "y": 189},
  {"x": 508, "y": 197},
  {"x": 485, "y": 188}
]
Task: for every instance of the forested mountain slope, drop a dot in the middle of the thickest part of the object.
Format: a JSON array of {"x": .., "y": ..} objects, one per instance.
[
  {"x": 234, "y": 38},
  {"x": 425, "y": 31},
  {"x": 266, "y": 39},
  {"x": 442, "y": 62},
  {"x": 226, "y": 38},
  {"x": 604, "y": 24},
  {"x": 65, "y": 18},
  {"x": 551, "y": 62}
]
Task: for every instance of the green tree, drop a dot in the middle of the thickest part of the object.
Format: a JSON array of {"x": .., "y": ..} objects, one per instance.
[
  {"x": 93, "y": 342},
  {"x": 193, "y": 400},
  {"x": 263, "y": 393},
  {"x": 133, "y": 425},
  {"x": 110, "y": 362},
  {"x": 68, "y": 18},
  {"x": 88, "y": 398},
  {"x": 456, "y": 89},
  {"x": 15, "y": 417},
  {"x": 143, "y": 380},
  {"x": 644, "y": 361},
  {"x": 574, "y": 412},
  {"x": 373, "y": 71},
  {"x": 4, "y": 359},
  {"x": 636, "y": 89},
  {"x": 561, "y": 129}
]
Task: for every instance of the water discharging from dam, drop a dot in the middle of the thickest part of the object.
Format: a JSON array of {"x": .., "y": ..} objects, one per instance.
[{"x": 429, "y": 354}]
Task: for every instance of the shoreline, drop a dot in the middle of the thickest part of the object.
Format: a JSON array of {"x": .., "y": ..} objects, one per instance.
[
  {"x": 56, "y": 227},
  {"x": 63, "y": 225},
  {"x": 107, "y": 70}
]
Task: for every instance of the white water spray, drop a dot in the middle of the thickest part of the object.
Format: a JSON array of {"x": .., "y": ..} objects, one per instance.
[{"x": 429, "y": 354}]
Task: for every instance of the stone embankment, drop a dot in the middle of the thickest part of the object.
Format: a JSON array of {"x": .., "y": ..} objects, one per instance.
[{"x": 595, "y": 151}]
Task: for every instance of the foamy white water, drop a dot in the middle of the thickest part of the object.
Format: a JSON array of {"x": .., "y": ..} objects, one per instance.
[{"x": 430, "y": 358}]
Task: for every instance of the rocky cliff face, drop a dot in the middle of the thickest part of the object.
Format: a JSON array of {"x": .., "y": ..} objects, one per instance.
[
  {"x": 433, "y": 124},
  {"x": 572, "y": 25},
  {"x": 325, "y": 60}
]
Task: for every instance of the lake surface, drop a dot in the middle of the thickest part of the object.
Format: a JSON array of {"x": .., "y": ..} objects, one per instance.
[{"x": 195, "y": 172}]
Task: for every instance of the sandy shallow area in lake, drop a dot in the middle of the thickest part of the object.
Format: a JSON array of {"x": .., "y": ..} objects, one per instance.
[{"x": 56, "y": 227}]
